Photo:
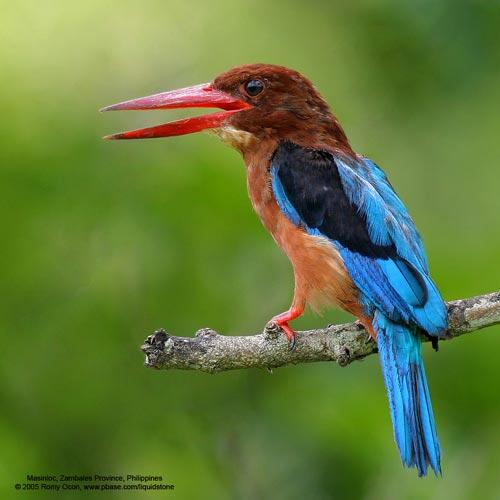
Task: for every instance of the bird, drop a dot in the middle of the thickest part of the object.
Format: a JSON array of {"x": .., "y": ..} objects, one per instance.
[{"x": 335, "y": 215}]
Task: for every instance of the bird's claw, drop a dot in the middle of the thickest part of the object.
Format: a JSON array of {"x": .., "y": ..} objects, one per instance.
[{"x": 289, "y": 332}]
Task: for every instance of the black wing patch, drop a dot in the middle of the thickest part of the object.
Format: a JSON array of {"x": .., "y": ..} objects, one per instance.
[
  {"x": 312, "y": 184},
  {"x": 311, "y": 181}
]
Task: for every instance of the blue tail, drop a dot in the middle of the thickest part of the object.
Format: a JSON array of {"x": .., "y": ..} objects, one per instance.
[{"x": 409, "y": 399}]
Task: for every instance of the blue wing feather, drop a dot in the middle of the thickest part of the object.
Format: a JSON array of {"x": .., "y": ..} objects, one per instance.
[
  {"x": 281, "y": 198},
  {"x": 378, "y": 179},
  {"x": 351, "y": 202},
  {"x": 388, "y": 221},
  {"x": 387, "y": 218},
  {"x": 400, "y": 287}
]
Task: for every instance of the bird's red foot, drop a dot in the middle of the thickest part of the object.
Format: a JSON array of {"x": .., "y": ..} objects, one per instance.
[
  {"x": 282, "y": 321},
  {"x": 289, "y": 332}
]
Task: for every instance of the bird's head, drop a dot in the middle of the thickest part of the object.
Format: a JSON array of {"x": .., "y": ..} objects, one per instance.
[{"x": 259, "y": 102}]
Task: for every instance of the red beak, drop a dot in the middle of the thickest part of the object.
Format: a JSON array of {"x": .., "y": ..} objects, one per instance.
[{"x": 198, "y": 96}]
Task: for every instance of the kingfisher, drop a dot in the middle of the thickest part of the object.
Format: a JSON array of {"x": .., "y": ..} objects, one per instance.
[{"x": 334, "y": 213}]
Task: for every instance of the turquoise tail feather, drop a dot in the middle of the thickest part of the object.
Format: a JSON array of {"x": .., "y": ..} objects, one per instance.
[{"x": 409, "y": 399}]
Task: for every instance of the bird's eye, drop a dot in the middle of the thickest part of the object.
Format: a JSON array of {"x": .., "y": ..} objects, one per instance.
[{"x": 254, "y": 87}]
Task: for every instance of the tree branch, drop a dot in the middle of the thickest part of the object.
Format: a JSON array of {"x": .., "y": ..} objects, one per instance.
[{"x": 208, "y": 351}]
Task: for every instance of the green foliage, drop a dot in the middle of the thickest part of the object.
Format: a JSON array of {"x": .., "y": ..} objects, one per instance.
[{"x": 104, "y": 242}]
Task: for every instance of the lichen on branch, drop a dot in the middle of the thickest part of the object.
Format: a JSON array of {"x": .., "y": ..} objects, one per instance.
[{"x": 211, "y": 352}]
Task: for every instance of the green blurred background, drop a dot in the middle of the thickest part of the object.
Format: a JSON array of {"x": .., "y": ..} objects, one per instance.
[{"x": 104, "y": 242}]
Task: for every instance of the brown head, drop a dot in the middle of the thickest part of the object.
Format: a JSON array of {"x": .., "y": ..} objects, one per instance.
[{"x": 261, "y": 102}]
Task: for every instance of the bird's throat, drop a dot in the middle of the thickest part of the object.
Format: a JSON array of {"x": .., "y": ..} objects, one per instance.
[{"x": 237, "y": 139}]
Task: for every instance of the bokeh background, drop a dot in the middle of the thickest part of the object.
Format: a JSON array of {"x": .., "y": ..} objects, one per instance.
[{"x": 104, "y": 242}]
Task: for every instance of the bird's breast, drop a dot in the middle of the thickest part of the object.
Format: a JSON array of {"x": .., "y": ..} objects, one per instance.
[{"x": 320, "y": 275}]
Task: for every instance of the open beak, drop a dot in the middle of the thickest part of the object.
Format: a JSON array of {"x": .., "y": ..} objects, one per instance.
[{"x": 198, "y": 96}]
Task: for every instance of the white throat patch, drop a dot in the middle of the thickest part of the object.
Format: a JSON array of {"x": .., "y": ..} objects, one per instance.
[{"x": 235, "y": 138}]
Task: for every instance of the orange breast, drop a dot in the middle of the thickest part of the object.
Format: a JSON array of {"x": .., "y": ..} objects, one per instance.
[{"x": 320, "y": 275}]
